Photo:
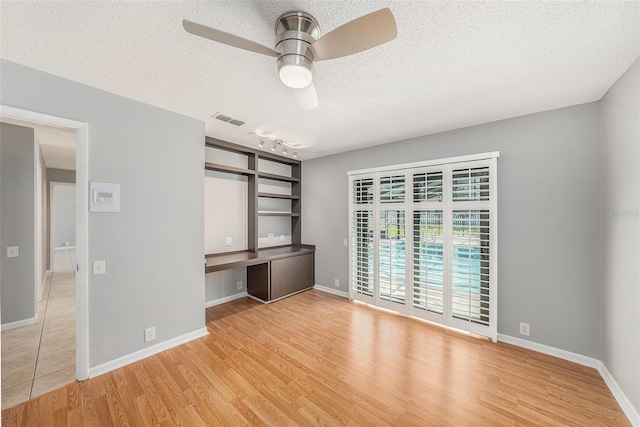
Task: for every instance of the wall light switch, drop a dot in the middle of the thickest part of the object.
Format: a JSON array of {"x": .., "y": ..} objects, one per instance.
[
  {"x": 228, "y": 241},
  {"x": 12, "y": 252},
  {"x": 270, "y": 235},
  {"x": 98, "y": 267}
]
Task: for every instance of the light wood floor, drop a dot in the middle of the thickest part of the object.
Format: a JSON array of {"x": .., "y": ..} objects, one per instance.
[
  {"x": 39, "y": 358},
  {"x": 317, "y": 359}
]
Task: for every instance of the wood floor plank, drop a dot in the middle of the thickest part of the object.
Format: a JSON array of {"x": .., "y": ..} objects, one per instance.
[{"x": 316, "y": 359}]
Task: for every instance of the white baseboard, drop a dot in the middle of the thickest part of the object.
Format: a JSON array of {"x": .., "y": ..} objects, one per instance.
[
  {"x": 146, "y": 352},
  {"x": 551, "y": 351},
  {"x": 623, "y": 401},
  {"x": 225, "y": 299},
  {"x": 19, "y": 323},
  {"x": 618, "y": 394},
  {"x": 328, "y": 290}
]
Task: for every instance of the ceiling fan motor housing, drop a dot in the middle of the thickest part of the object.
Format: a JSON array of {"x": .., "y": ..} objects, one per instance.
[{"x": 295, "y": 32}]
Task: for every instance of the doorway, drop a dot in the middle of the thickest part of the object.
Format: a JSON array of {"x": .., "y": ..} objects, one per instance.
[{"x": 63, "y": 283}]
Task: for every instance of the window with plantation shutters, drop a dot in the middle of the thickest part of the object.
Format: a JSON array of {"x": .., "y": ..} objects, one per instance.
[{"x": 424, "y": 240}]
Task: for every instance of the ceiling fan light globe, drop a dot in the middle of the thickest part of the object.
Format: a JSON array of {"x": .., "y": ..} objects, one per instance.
[{"x": 295, "y": 76}]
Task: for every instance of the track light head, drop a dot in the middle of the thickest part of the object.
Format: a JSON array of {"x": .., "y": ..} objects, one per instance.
[{"x": 261, "y": 143}]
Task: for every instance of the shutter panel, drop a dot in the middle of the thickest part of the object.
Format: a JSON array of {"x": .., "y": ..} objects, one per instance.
[
  {"x": 392, "y": 189},
  {"x": 471, "y": 184},
  {"x": 392, "y": 269},
  {"x": 362, "y": 252},
  {"x": 428, "y": 279},
  {"x": 470, "y": 266},
  {"x": 363, "y": 191},
  {"x": 427, "y": 187}
]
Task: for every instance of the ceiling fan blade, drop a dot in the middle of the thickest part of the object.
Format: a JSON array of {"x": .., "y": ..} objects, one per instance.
[
  {"x": 307, "y": 97},
  {"x": 226, "y": 38},
  {"x": 356, "y": 36}
]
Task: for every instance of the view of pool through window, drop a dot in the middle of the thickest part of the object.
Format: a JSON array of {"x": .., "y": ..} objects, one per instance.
[{"x": 423, "y": 241}]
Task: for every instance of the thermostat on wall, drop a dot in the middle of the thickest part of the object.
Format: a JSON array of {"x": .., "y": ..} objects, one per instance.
[{"x": 104, "y": 197}]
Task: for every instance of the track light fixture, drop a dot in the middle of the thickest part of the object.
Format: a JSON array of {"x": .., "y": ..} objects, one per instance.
[{"x": 275, "y": 143}]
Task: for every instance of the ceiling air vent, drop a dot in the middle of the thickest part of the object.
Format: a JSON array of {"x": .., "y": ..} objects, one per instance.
[{"x": 228, "y": 119}]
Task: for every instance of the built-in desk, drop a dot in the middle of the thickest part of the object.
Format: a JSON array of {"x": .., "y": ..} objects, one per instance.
[
  {"x": 274, "y": 201},
  {"x": 272, "y": 273}
]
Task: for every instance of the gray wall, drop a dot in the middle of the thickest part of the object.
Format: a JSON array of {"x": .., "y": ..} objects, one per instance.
[
  {"x": 64, "y": 215},
  {"x": 548, "y": 217},
  {"x": 55, "y": 175},
  {"x": 17, "y": 219},
  {"x": 154, "y": 247},
  {"x": 620, "y": 165}
]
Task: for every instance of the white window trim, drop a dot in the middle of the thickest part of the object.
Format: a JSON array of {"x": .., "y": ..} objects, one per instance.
[{"x": 435, "y": 162}]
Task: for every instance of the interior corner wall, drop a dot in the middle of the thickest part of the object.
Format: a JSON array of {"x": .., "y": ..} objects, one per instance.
[
  {"x": 153, "y": 247},
  {"x": 17, "y": 222},
  {"x": 548, "y": 217},
  {"x": 620, "y": 188}
]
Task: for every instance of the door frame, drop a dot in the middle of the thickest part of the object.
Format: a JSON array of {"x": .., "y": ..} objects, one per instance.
[{"x": 82, "y": 224}]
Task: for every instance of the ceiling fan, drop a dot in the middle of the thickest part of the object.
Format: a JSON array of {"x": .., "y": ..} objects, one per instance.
[{"x": 299, "y": 45}]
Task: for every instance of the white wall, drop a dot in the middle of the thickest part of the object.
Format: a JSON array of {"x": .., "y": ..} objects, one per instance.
[
  {"x": 54, "y": 175},
  {"x": 153, "y": 247},
  {"x": 548, "y": 217},
  {"x": 64, "y": 214},
  {"x": 620, "y": 189}
]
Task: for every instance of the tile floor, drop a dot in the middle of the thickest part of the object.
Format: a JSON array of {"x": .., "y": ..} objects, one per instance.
[{"x": 41, "y": 357}]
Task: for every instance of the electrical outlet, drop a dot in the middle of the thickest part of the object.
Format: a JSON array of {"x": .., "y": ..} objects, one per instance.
[
  {"x": 228, "y": 241},
  {"x": 150, "y": 334},
  {"x": 12, "y": 252},
  {"x": 336, "y": 283},
  {"x": 345, "y": 242},
  {"x": 525, "y": 329},
  {"x": 99, "y": 267},
  {"x": 239, "y": 285},
  {"x": 282, "y": 237}
]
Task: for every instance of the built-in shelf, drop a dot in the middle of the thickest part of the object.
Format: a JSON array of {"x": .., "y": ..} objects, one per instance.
[
  {"x": 228, "y": 169},
  {"x": 273, "y": 272},
  {"x": 267, "y": 213},
  {"x": 278, "y": 177},
  {"x": 279, "y": 196}
]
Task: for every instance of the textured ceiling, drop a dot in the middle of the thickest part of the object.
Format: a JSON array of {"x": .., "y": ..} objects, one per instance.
[{"x": 454, "y": 64}]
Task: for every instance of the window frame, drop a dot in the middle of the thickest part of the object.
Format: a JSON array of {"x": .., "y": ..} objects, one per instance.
[{"x": 447, "y": 205}]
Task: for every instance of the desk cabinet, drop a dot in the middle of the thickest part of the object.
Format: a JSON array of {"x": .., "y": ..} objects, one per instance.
[{"x": 280, "y": 277}]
